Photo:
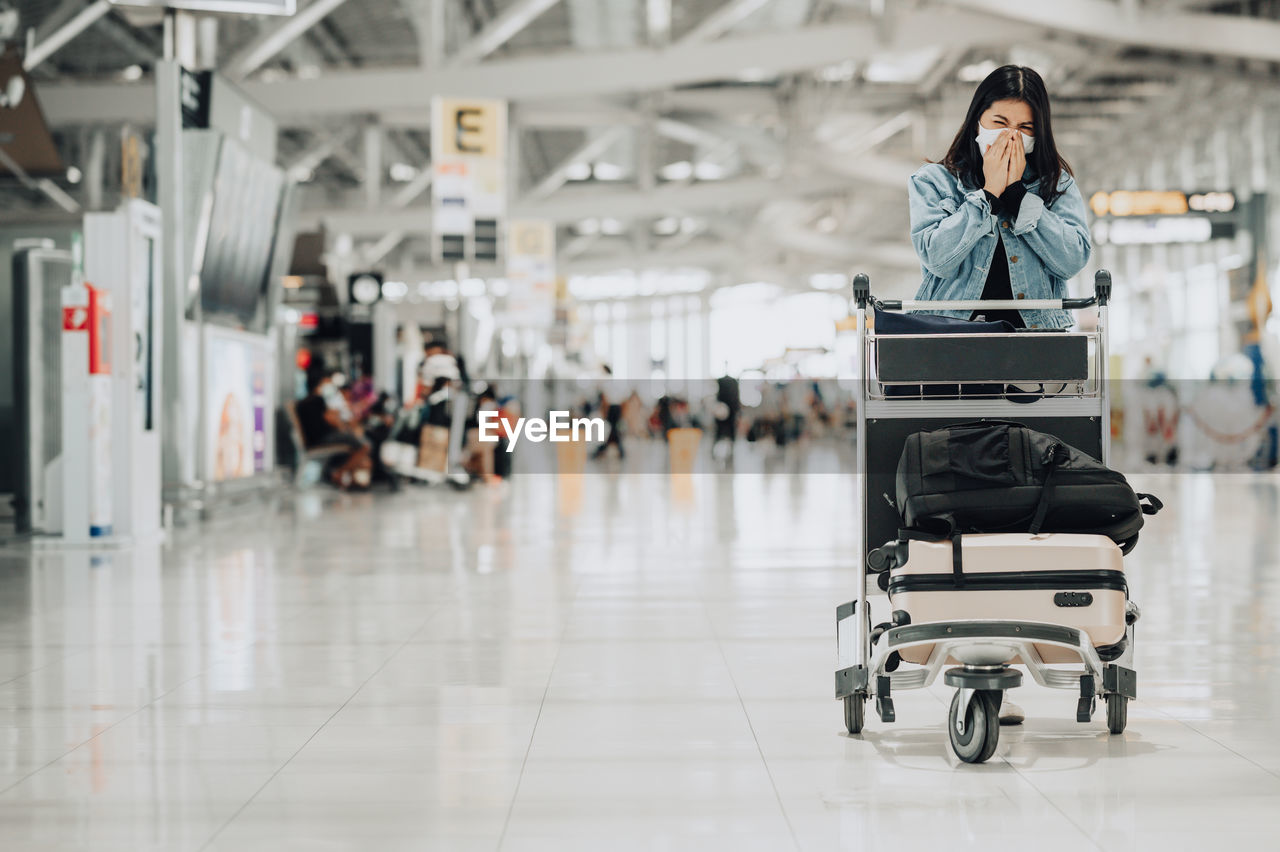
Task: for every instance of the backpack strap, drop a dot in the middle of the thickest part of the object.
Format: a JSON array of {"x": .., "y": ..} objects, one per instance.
[
  {"x": 1053, "y": 457},
  {"x": 1152, "y": 505}
]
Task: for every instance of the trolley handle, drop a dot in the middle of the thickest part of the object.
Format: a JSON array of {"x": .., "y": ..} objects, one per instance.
[{"x": 1101, "y": 298}]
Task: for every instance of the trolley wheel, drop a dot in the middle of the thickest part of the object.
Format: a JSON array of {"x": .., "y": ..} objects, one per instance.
[
  {"x": 855, "y": 707},
  {"x": 1117, "y": 713},
  {"x": 981, "y": 725}
]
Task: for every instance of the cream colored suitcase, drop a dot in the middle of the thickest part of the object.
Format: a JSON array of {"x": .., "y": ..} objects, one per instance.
[{"x": 1068, "y": 579}]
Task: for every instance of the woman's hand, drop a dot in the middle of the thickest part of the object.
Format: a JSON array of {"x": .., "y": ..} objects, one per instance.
[
  {"x": 1017, "y": 158},
  {"x": 995, "y": 165}
]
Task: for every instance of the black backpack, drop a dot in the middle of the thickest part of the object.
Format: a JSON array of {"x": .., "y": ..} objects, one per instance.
[{"x": 994, "y": 476}]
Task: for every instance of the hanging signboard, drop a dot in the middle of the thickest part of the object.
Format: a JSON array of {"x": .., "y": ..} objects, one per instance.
[
  {"x": 469, "y": 194},
  {"x": 531, "y": 274}
]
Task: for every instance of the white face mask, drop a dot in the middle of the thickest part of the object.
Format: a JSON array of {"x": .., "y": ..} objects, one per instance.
[{"x": 987, "y": 137}]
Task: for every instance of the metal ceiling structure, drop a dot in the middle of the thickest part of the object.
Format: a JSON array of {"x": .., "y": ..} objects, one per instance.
[{"x": 762, "y": 139}]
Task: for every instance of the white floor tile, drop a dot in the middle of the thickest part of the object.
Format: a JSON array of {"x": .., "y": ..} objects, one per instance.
[{"x": 650, "y": 669}]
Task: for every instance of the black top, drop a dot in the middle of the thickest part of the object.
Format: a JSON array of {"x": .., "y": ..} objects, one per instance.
[
  {"x": 998, "y": 285},
  {"x": 311, "y": 411}
]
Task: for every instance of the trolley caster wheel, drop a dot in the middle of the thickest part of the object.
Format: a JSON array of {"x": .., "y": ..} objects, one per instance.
[
  {"x": 1117, "y": 713},
  {"x": 855, "y": 707},
  {"x": 974, "y": 731}
]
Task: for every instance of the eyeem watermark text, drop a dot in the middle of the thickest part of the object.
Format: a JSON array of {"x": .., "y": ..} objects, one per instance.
[{"x": 558, "y": 428}]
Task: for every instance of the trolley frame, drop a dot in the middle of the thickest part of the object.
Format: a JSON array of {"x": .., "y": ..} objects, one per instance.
[{"x": 862, "y": 674}]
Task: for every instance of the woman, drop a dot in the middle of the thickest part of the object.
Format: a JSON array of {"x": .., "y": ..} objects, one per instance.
[{"x": 1000, "y": 217}]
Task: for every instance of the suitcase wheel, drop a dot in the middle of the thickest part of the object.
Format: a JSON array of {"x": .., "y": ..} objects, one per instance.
[
  {"x": 974, "y": 730},
  {"x": 1117, "y": 713},
  {"x": 854, "y": 712}
]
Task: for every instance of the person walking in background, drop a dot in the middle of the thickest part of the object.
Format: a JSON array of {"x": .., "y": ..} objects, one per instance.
[
  {"x": 612, "y": 412},
  {"x": 727, "y": 408}
]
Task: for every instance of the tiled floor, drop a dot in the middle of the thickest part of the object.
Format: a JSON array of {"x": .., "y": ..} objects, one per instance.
[{"x": 621, "y": 663}]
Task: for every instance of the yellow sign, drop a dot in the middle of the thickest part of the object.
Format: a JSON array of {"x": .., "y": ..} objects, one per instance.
[
  {"x": 469, "y": 193},
  {"x": 469, "y": 128},
  {"x": 131, "y": 165},
  {"x": 1124, "y": 202},
  {"x": 532, "y": 239}
]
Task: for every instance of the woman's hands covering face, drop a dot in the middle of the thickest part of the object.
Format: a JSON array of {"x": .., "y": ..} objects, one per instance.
[
  {"x": 995, "y": 164},
  {"x": 1004, "y": 162},
  {"x": 1017, "y": 157}
]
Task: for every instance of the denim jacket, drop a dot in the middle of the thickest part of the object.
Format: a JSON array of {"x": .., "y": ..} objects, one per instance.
[{"x": 954, "y": 232}]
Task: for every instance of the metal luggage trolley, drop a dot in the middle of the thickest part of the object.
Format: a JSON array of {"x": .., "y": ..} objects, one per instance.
[{"x": 911, "y": 383}]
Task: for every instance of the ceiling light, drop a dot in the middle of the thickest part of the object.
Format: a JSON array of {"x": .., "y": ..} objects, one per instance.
[
  {"x": 666, "y": 226},
  {"x": 682, "y": 170},
  {"x": 607, "y": 171},
  {"x": 403, "y": 172},
  {"x": 611, "y": 227},
  {"x": 394, "y": 291},
  {"x": 709, "y": 171},
  {"x": 827, "y": 281},
  {"x": 828, "y": 224},
  {"x": 588, "y": 227},
  {"x": 977, "y": 72},
  {"x": 908, "y": 67},
  {"x": 132, "y": 73},
  {"x": 842, "y": 73},
  {"x": 578, "y": 171},
  {"x": 73, "y": 175}
]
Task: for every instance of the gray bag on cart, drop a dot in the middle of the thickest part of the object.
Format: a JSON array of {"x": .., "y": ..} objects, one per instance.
[{"x": 994, "y": 476}]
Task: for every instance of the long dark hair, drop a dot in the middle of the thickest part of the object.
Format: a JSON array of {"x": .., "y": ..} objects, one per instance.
[{"x": 1015, "y": 83}]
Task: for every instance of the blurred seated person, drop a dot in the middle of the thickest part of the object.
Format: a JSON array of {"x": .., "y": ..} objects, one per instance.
[{"x": 324, "y": 426}]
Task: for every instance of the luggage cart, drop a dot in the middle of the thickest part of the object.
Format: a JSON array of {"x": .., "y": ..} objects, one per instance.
[{"x": 912, "y": 383}]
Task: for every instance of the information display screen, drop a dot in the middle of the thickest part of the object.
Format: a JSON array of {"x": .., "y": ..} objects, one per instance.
[{"x": 243, "y": 223}]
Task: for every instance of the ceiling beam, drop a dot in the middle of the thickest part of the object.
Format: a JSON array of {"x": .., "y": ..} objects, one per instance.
[
  {"x": 322, "y": 149},
  {"x": 59, "y": 38},
  {"x": 574, "y": 204},
  {"x": 588, "y": 151},
  {"x": 560, "y": 76},
  {"x": 723, "y": 19},
  {"x": 277, "y": 37},
  {"x": 400, "y": 201},
  {"x": 1241, "y": 36},
  {"x": 500, "y": 30}
]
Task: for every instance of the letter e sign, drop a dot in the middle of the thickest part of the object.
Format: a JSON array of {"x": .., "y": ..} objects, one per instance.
[{"x": 472, "y": 128}]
